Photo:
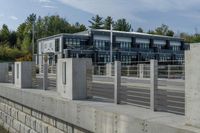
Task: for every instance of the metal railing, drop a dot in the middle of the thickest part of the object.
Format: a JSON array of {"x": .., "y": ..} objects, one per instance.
[
  {"x": 169, "y": 95},
  {"x": 136, "y": 87}
]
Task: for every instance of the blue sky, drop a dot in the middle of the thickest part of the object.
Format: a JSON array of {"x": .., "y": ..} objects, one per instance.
[{"x": 180, "y": 15}]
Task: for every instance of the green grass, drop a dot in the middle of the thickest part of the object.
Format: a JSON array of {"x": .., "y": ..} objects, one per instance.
[{"x": 2, "y": 130}]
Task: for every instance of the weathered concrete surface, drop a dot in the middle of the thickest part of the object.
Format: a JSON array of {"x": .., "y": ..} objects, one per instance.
[
  {"x": 72, "y": 81},
  {"x": 4, "y": 72},
  {"x": 23, "y": 74},
  {"x": 192, "y": 78},
  {"x": 97, "y": 116},
  {"x": 153, "y": 83}
]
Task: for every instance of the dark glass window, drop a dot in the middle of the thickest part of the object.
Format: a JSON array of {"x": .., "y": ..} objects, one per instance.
[{"x": 57, "y": 45}]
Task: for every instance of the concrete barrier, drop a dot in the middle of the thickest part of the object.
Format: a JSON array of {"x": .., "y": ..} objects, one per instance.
[
  {"x": 46, "y": 108},
  {"x": 3, "y": 72},
  {"x": 72, "y": 81},
  {"x": 23, "y": 74},
  {"x": 192, "y": 85}
]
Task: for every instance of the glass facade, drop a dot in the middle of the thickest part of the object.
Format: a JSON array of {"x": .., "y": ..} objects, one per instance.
[
  {"x": 124, "y": 45},
  {"x": 144, "y": 45},
  {"x": 71, "y": 43},
  {"x": 175, "y": 48},
  {"x": 101, "y": 44},
  {"x": 57, "y": 45}
]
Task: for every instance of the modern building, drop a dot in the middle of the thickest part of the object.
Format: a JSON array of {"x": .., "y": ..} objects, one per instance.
[{"x": 128, "y": 47}]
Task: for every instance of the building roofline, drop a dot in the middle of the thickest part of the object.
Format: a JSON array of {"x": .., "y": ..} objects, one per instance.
[
  {"x": 59, "y": 35},
  {"x": 87, "y": 33},
  {"x": 137, "y": 33}
]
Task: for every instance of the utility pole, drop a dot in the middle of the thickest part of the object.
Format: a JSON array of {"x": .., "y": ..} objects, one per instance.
[{"x": 111, "y": 43}]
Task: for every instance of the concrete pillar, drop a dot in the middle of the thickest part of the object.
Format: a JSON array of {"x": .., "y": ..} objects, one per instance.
[
  {"x": 74, "y": 77},
  {"x": 117, "y": 82},
  {"x": 109, "y": 69},
  {"x": 192, "y": 85},
  {"x": 141, "y": 70},
  {"x": 4, "y": 72},
  {"x": 23, "y": 74},
  {"x": 45, "y": 76},
  {"x": 154, "y": 83}
]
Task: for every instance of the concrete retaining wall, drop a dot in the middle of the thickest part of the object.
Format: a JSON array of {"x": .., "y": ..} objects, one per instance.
[
  {"x": 59, "y": 115},
  {"x": 17, "y": 118}
]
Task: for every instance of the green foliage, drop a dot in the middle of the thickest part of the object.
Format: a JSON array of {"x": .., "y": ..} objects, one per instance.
[
  {"x": 163, "y": 30},
  {"x": 9, "y": 54},
  {"x": 190, "y": 38},
  {"x": 122, "y": 25},
  {"x": 5, "y": 33},
  {"x": 107, "y": 23},
  {"x": 18, "y": 44},
  {"x": 140, "y": 30},
  {"x": 96, "y": 22}
]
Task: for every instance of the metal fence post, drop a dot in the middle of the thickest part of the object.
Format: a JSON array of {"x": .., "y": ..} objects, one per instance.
[
  {"x": 169, "y": 71},
  {"x": 117, "y": 82},
  {"x": 128, "y": 71},
  {"x": 154, "y": 83},
  {"x": 141, "y": 70},
  {"x": 109, "y": 69},
  {"x": 45, "y": 79},
  {"x": 45, "y": 73}
]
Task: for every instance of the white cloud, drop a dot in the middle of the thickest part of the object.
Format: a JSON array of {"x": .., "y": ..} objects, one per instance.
[
  {"x": 47, "y": 6},
  {"x": 45, "y": 1},
  {"x": 130, "y": 8},
  {"x": 13, "y": 17}
]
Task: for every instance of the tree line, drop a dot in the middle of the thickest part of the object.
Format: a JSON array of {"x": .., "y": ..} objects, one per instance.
[{"x": 17, "y": 44}]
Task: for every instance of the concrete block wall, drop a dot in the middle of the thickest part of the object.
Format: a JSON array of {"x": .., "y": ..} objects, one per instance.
[{"x": 19, "y": 119}]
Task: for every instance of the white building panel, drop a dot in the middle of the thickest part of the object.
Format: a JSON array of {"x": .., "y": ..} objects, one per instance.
[
  {"x": 175, "y": 43},
  {"x": 47, "y": 46},
  {"x": 123, "y": 39},
  {"x": 99, "y": 37},
  {"x": 160, "y": 42},
  {"x": 141, "y": 40}
]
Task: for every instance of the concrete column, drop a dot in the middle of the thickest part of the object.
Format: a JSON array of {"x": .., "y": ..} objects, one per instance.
[
  {"x": 74, "y": 77},
  {"x": 23, "y": 74},
  {"x": 192, "y": 85},
  {"x": 117, "y": 82},
  {"x": 109, "y": 69},
  {"x": 154, "y": 83},
  {"x": 4, "y": 72},
  {"x": 45, "y": 76},
  {"x": 141, "y": 70}
]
